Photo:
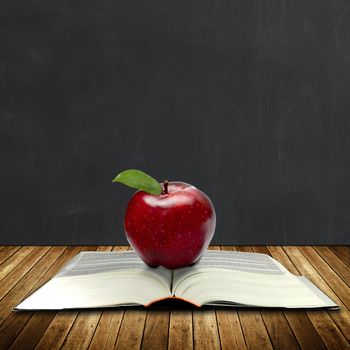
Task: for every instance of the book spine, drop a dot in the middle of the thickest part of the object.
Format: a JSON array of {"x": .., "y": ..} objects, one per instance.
[{"x": 172, "y": 297}]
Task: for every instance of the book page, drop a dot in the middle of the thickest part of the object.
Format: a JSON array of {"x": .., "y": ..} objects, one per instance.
[
  {"x": 101, "y": 279},
  {"x": 233, "y": 261},
  {"x": 237, "y": 287},
  {"x": 251, "y": 279},
  {"x": 87, "y": 263}
]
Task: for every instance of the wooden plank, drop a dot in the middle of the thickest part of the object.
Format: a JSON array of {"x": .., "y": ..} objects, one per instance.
[
  {"x": 230, "y": 330},
  {"x": 299, "y": 322},
  {"x": 80, "y": 334},
  {"x": 156, "y": 330},
  {"x": 334, "y": 262},
  {"x": 131, "y": 330},
  {"x": 21, "y": 270},
  {"x": 104, "y": 330},
  {"x": 12, "y": 261},
  {"x": 6, "y": 252},
  {"x": 104, "y": 248},
  {"x": 255, "y": 333},
  {"x": 107, "y": 330},
  {"x": 42, "y": 259},
  {"x": 13, "y": 322},
  {"x": 323, "y": 321},
  {"x": 56, "y": 332},
  {"x": 340, "y": 288},
  {"x": 26, "y": 339},
  {"x": 342, "y": 253},
  {"x": 82, "y": 331},
  {"x": 280, "y": 255},
  {"x": 328, "y": 331},
  {"x": 180, "y": 330},
  {"x": 35, "y": 327},
  {"x": 205, "y": 330},
  {"x": 304, "y": 330}
]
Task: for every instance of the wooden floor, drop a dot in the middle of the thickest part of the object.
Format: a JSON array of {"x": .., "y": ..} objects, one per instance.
[{"x": 23, "y": 269}]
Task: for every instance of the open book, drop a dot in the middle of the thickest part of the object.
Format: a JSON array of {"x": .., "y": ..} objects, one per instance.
[{"x": 220, "y": 278}]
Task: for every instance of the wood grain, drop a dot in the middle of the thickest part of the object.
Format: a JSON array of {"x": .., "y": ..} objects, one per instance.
[
  {"x": 24, "y": 269},
  {"x": 334, "y": 262},
  {"x": 342, "y": 253},
  {"x": 333, "y": 279},
  {"x": 300, "y": 323},
  {"x": 331, "y": 326},
  {"x": 131, "y": 330},
  {"x": 13, "y": 322},
  {"x": 13, "y": 260},
  {"x": 55, "y": 334},
  {"x": 205, "y": 330},
  {"x": 7, "y": 251},
  {"x": 107, "y": 330},
  {"x": 80, "y": 334},
  {"x": 231, "y": 335},
  {"x": 37, "y": 325},
  {"x": 20, "y": 270},
  {"x": 180, "y": 330},
  {"x": 156, "y": 330}
]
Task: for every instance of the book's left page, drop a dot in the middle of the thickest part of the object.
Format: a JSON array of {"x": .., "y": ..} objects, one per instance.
[{"x": 101, "y": 279}]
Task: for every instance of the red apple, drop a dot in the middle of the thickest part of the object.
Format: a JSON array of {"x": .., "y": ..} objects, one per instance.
[{"x": 171, "y": 229}]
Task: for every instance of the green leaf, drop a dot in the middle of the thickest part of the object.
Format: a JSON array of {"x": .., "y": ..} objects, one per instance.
[{"x": 139, "y": 180}]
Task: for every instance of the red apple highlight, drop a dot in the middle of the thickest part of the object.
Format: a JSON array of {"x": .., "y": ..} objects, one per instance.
[{"x": 171, "y": 229}]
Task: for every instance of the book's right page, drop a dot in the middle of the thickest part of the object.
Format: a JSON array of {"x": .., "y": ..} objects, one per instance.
[{"x": 245, "y": 279}]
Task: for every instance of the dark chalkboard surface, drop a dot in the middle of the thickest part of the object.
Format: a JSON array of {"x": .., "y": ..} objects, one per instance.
[{"x": 247, "y": 100}]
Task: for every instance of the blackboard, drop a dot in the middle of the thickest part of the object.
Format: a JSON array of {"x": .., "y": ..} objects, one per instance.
[{"x": 247, "y": 100}]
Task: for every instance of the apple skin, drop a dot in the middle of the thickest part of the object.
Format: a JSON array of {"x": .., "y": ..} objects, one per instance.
[{"x": 172, "y": 230}]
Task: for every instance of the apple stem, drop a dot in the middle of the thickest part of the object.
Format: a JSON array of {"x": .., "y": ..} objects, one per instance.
[{"x": 165, "y": 183}]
